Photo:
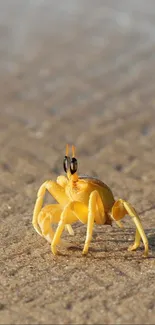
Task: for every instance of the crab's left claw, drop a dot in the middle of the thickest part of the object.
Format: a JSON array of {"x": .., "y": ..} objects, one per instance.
[{"x": 119, "y": 210}]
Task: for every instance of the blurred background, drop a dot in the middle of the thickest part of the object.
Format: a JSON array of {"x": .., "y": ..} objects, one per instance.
[{"x": 81, "y": 72}]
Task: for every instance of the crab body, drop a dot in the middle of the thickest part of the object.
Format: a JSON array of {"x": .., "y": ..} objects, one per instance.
[
  {"x": 85, "y": 185},
  {"x": 81, "y": 189},
  {"x": 81, "y": 198}
]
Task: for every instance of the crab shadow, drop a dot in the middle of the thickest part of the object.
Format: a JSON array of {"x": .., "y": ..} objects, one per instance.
[
  {"x": 151, "y": 238},
  {"x": 116, "y": 237}
]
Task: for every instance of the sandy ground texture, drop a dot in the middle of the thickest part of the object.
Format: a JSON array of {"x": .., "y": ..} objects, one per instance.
[{"x": 81, "y": 72}]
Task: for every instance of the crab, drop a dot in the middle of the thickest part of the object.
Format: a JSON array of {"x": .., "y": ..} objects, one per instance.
[{"x": 81, "y": 198}]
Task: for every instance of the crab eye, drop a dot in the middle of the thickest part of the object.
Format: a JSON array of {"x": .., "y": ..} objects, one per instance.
[
  {"x": 73, "y": 165},
  {"x": 66, "y": 163}
]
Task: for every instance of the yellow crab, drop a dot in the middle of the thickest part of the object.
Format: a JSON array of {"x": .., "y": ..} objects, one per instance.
[{"x": 80, "y": 198}]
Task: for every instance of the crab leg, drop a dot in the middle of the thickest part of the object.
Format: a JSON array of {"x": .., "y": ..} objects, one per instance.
[
  {"x": 49, "y": 215},
  {"x": 119, "y": 210},
  {"x": 70, "y": 229},
  {"x": 136, "y": 242},
  {"x": 93, "y": 214},
  {"x": 72, "y": 212},
  {"x": 67, "y": 217},
  {"x": 38, "y": 206},
  {"x": 57, "y": 191}
]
